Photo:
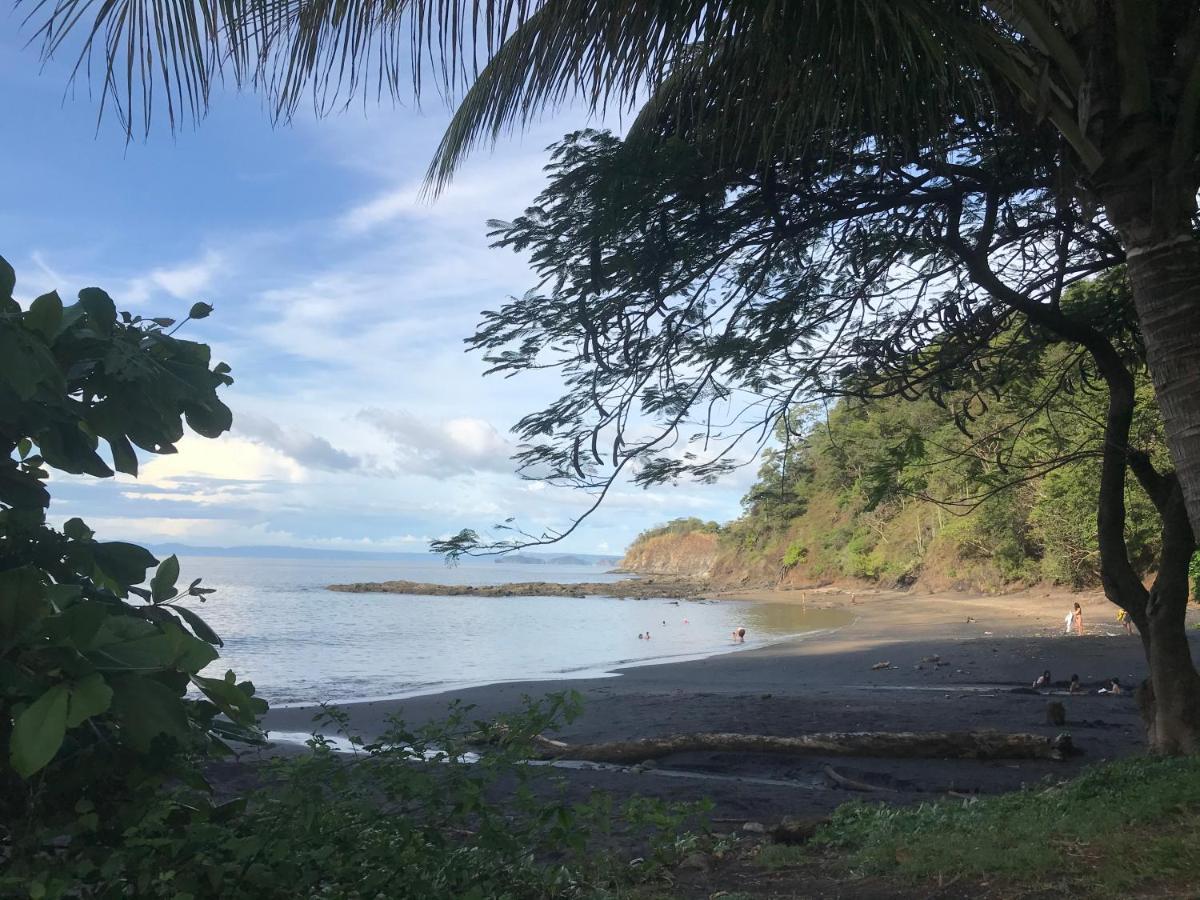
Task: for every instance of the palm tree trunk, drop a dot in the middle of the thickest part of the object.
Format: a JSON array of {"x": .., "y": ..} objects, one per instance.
[
  {"x": 1166, "y": 291},
  {"x": 1153, "y": 209}
]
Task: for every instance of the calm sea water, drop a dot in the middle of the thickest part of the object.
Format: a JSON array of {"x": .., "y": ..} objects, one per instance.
[{"x": 301, "y": 643}]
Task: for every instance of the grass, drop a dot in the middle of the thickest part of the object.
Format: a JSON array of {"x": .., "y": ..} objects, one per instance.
[{"x": 1115, "y": 828}]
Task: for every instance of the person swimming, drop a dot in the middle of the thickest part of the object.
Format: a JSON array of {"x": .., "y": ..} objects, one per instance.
[
  {"x": 1075, "y": 687},
  {"x": 1043, "y": 680},
  {"x": 641, "y": 637},
  {"x": 739, "y": 634}
]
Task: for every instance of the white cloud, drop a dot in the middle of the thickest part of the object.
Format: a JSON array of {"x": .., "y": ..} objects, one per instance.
[
  {"x": 229, "y": 458},
  {"x": 184, "y": 281},
  {"x": 302, "y": 446},
  {"x": 441, "y": 447}
]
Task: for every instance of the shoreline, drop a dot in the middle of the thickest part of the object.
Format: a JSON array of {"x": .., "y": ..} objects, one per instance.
[
  {"x": 955, "y": 663},
  {"x": 587, "y": 673}
]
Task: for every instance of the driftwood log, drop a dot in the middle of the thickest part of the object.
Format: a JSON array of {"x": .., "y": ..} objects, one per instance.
[
  {"x": 890, "y": 744},
  {"x": 853, "y": 784}
]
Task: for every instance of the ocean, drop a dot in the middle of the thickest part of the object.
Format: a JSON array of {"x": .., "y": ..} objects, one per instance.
[{"x": 301, "y": 644}]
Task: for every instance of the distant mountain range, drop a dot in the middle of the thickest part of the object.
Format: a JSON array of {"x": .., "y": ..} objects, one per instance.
[
  {"x": 567, "y": 559},
  {"x": 278, "y": 552}
]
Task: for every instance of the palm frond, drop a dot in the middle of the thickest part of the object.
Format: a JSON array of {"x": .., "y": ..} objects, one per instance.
[{"x": 761, "y": 76}]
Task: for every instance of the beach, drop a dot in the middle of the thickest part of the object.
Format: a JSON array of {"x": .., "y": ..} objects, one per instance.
[{"x": 954, "y": 663}]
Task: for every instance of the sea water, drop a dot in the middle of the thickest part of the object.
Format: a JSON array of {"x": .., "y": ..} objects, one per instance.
[{"x": 301, "y": 643}]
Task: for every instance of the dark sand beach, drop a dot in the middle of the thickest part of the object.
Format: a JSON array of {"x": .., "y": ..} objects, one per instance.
[{"x": 988, "y": 652}]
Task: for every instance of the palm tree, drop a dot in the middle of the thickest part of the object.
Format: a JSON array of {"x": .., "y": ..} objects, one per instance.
[
  {"x": 1119, "y": 80},
  {"x": 760, "y": 80}
]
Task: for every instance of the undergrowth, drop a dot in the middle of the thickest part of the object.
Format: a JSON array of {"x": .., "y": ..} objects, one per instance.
[
  {"x": 1115, "y": 827},
  {"x": 445, "y": 811}
]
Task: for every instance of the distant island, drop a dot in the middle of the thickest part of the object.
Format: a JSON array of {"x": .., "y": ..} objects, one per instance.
[{"x": 571, "y": 559}]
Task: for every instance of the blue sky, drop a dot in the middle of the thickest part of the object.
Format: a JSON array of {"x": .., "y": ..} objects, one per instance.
[{"x": 341, "y": 303}]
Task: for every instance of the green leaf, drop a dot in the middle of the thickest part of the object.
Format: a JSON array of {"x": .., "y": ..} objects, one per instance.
[
  {"x": 23, "y": 602},
  {"x": 38, "y": 732},
  {"x": 8, "y": 279},
  {"x": 45, "y": 316},
  {"x": 200, "y": 311},
  {"x": 101, "y": 311},
  {"x": 90, "y": 696},
  {"x": 124, "y": 459},
  {"x": 76, "y": 530},
  {"x": 230, "y": 699},
  {"x": 26, "y": 363},
  {"x": 211, "y": 419},
  {"x": 199, "y": 626},
  {"x": 79, "y": 625},
  {"x": 189, "y": 653},
  {"x": 124, "y": 563},
  {"x": 145, "y": 709},
  {"x": 162, "y": 585}
]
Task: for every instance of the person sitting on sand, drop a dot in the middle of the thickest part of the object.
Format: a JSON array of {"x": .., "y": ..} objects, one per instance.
[
  {"x": 1075, "y": 687},
  {"x": 739, "y": 634},
  {"x": 1043, "y": 680},
  {"x": 1078, "y": 613}
]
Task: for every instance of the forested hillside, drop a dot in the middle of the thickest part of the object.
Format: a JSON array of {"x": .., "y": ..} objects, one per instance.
[{"x": 974, "y": 491}]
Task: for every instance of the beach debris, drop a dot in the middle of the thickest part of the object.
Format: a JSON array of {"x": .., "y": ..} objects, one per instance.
[
  {"x": 754, "y": 828},
  {"x": 853, "y": 784},
  {"x": 933, "y": 658},
  {"x": 898, "y": 744},
  {"x": 881, "y": 665}
]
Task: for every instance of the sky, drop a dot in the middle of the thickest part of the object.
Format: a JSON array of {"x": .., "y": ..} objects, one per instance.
[{"x": 342, "y": 299}]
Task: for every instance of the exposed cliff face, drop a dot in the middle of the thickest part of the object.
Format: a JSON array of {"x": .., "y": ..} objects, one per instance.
[{"x": 693, "y": 555}]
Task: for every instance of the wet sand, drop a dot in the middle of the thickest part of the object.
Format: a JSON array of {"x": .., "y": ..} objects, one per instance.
[{"x": 990, "y": 650}]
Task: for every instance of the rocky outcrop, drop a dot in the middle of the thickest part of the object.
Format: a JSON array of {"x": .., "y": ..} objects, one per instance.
[
  {"x": 690, "y": 555},
  {"x": 632, "y": 587}
]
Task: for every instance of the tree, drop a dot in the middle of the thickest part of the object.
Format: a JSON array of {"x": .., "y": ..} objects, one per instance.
[
  {"x": 690, "y": 303},
  {"x": 1118, "y": 81},
  {"x": 94, "y": 666}
]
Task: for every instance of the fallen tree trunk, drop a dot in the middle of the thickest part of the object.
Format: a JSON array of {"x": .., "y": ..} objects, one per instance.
[
  {"x": 892, "y": 744},
  {"x": 853, "y": 784}
]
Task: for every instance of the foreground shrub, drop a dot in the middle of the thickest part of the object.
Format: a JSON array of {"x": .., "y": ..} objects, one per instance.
[
  {"x": 417, "y": 814},
  {"x": 98, "y": 647}
]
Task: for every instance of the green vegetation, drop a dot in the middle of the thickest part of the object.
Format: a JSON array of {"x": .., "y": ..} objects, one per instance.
[
  {"x": 95, "y": 669},
  {"x": 690, "y": 525},
  {"x": 897, "y": 489},
  {"x": 417, "y": 816},
  {"x": 1118, "y": 826}
]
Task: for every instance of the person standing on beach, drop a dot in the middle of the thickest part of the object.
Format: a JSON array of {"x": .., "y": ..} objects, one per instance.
[
  {"x": 1125, "y": 621},
  {"x": 1078, "y": 613}
]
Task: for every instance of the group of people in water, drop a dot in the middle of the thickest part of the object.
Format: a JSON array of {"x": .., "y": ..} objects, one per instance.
[
  {"x": 1074, "y": 623},
  {"x": 1112, "y": 686},
  {"x": 739, "y": 633}
]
